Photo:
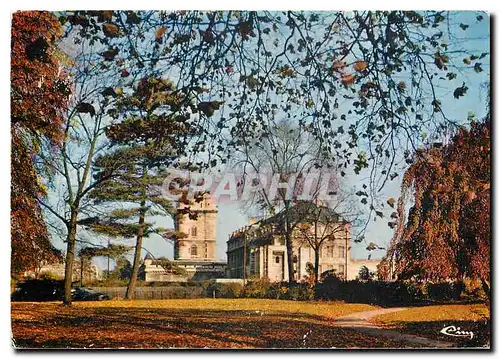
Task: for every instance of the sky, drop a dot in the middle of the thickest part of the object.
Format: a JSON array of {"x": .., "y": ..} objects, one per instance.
[{"x": 232, "y": 217}]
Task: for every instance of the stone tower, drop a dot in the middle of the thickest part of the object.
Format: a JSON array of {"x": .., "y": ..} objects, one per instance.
[{"x": 199, "y": 241}]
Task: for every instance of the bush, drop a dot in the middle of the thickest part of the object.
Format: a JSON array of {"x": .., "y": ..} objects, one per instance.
[
  {"x": 223, "y": 290},
  {"x": 370, "y": 292},
  {"x": 260, "y": 288},
  {"x": 329, "y": 287},
  {"x": 13, "y": 285},
  {"x": 300, "y": 291},
  {"x": 444, "y": 290},
  {"x": 473, "y": 288},
  {"x": 48, "y": 276},
  {"x": 230, "y": 290}
]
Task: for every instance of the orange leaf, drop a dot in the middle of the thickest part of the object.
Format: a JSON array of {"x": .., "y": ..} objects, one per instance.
[
  {"x": 360, "y": 66},
  {"x": 159, "y": 33},
  {"x": 348, "y": 79},
  {"x": 111, "y": 30}
]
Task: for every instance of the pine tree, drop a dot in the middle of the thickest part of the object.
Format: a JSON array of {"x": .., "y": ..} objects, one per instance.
[{"x": 138, "y": 163}]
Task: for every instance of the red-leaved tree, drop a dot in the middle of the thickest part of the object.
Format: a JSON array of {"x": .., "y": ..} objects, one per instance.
[{"x": 38, "y": 98}]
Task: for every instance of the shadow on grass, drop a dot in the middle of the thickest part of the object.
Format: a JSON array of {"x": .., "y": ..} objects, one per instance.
[
  {"x": 187, "y": 328},
  {"x": 432, "y": 330},
  {"x": 427, "y": 303}
]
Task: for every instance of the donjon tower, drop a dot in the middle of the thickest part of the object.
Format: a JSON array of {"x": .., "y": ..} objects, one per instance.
[{"x": 198, "y": 242}]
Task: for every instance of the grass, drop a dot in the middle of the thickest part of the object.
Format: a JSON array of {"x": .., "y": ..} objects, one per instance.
[
  {"x": 189, "y": 323},
  {"x": 269, "y": 306},
  {"x": 428, "y": 321}
]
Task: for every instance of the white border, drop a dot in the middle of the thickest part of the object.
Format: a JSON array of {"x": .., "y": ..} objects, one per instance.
[{"x": 8, "y": 8}]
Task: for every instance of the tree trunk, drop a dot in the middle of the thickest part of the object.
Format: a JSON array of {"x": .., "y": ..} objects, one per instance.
[
  {"x": 137, "y": 255},
  {"x": 81, "y": 271},
  {"x": 70, "y": 256},
  {"x": 316, "y": 251},
  {"x": 316, "y": 265},
  {"x": 289, "y": 255}
]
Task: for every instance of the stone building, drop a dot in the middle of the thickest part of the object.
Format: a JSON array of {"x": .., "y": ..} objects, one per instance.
[
  {"x": 194, "y": 250},
  {"x": 198, "y": 244},
  {"x": 195, "y": 270},
  {"x": 260, "y": 252}
]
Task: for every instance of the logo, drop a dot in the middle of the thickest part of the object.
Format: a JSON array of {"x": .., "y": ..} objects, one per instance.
[
  {"x": 453, "y": 331},
  {"x": 232, "y": 186}
]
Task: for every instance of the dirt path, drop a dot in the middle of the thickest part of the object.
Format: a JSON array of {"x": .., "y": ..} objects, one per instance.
[{"x": 361, "y": 322}]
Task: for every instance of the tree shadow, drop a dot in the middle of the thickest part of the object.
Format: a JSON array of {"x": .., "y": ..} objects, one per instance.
[
  {"x": 481, "y": 330},
  {"x": 190, "y": 328}
]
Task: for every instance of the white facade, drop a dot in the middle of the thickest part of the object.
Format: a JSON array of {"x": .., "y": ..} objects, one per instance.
[{"x": 266, "y": 257}]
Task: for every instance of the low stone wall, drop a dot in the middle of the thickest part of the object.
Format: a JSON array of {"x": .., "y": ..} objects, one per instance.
[{"x": 171, "y": 292}]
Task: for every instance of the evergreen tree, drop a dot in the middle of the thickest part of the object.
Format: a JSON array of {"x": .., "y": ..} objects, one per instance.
[{"x": 138, "y": 161}]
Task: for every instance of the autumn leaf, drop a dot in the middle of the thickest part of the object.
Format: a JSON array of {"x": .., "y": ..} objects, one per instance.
[
  {"x": 440, "y": 60},
  {"x": 109, "y": 92},
  {"x": 132, "y": 18},
  {"x": 391, "y": 202},
  {"x": 348, "y": 79},
  {"x": 159, "y": 33},
  {"x": 245, "y": 29},
  {"x": 111, "y": 30},
  {"x": 124, "y": 73},
  {"x": 401, "y": 86},
  {"x": 372, "y": 246},
  {"x": 460, "y": 91},
  {"x": 110, "y": 54},
  {"x": 338, "y": 66},
  {"x": 85, "y": 107},
  {"x": 208, "y": 108},
  {"x": 360, "y": 66}
]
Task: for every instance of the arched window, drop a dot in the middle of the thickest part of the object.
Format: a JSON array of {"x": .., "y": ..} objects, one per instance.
[
  {"x": 194, "y": 250},
  {"x": 193, "y": 231}
]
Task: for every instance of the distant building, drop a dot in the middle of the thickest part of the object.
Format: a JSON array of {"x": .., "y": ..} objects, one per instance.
[
  {"x": 56, "y": 271},
  {"x": 260, "y": 252},
  {"x": 195, "y": 249},
  {"x": 195, "y": 270}
]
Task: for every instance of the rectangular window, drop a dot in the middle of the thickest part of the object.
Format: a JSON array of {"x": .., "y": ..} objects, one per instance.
[
  {"x": 341, "y": 269},
  {"x": 341, "y": 251}
]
